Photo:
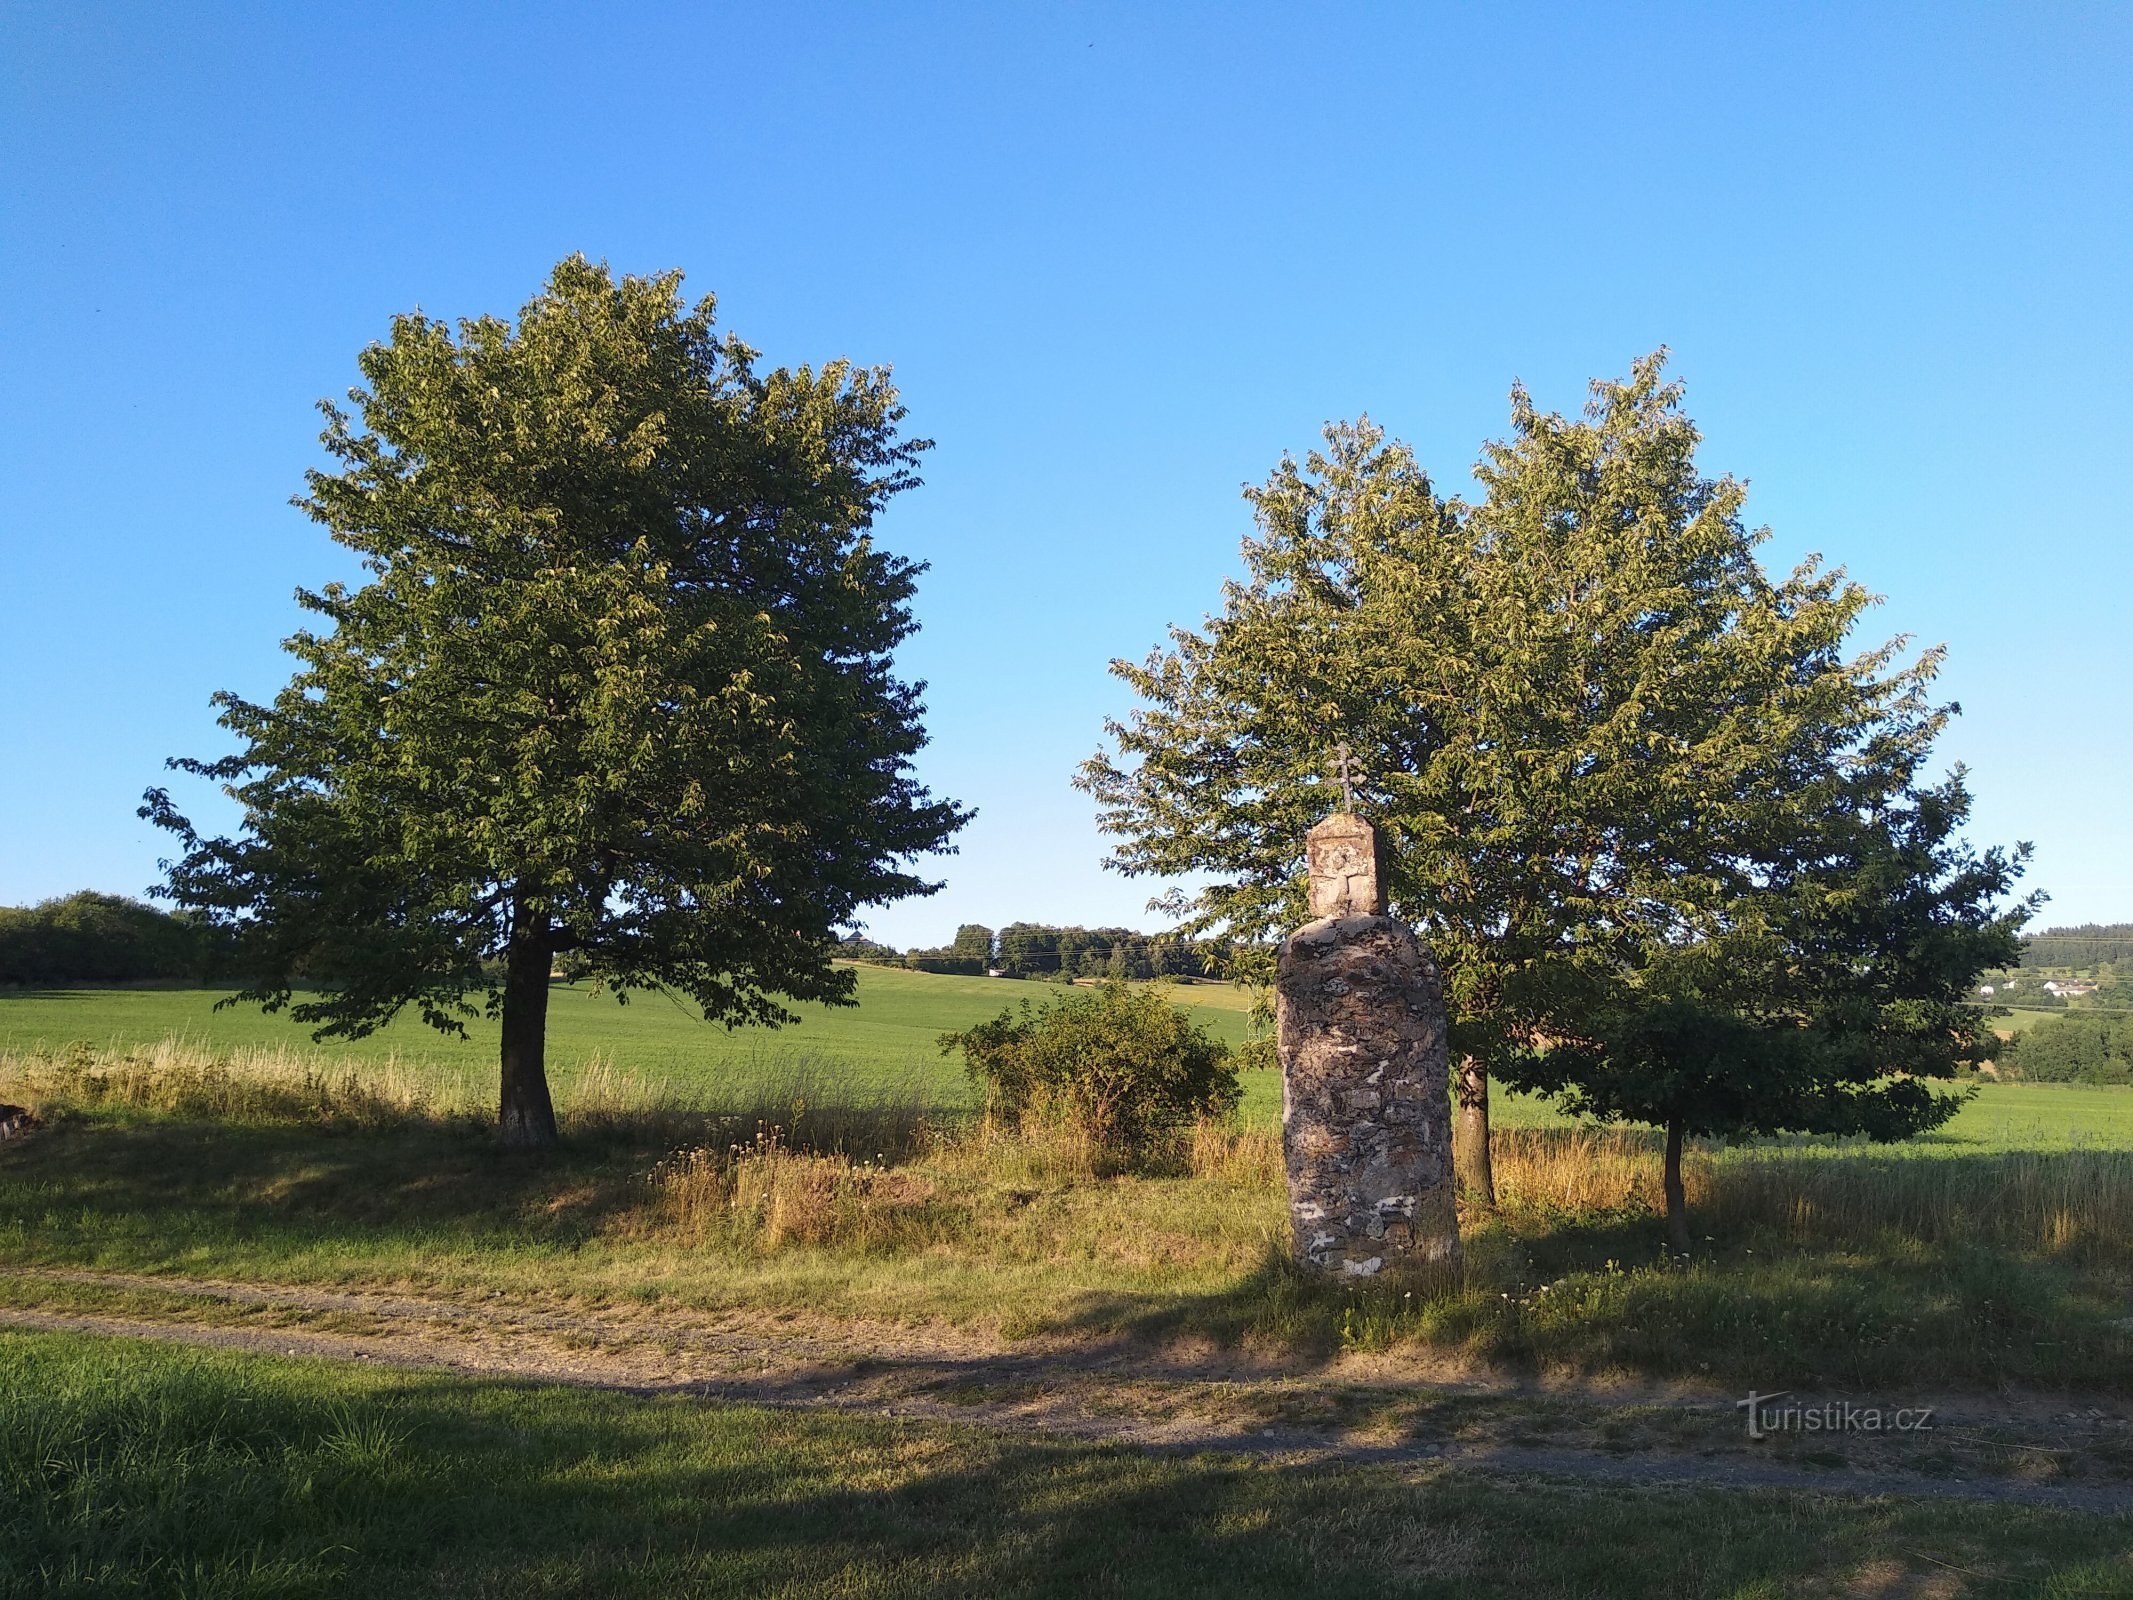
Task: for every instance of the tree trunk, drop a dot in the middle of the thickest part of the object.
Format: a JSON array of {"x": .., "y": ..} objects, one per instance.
[
  {"x": 1677, "y": 1200},
  {"x": 1470, "y": 1133},
  {"x": 526, "y": 1116}
]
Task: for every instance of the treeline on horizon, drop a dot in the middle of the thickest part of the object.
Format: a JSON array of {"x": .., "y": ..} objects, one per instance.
[
  {"x": 89, "y": 937},
  {"x": 2089, "y": 1048},
  {"x": 2092, "y": 944},
  {"x": 1047, "y": 950}
]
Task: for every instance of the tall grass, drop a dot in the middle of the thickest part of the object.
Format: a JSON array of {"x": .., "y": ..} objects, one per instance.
[
  {"x": 800, "y": 1157},
  {"x": 2071, "y": 1202},
  {"x": 767, "y": 1192},
  {"x": 177, "y": 1079}
]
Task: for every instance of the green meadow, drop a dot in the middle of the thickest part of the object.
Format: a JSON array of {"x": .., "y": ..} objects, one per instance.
[
  {"x": 191, "y": 1156},
  {"x": 886, "y": 1044},
  {"x": 1994, "y": 1248}
]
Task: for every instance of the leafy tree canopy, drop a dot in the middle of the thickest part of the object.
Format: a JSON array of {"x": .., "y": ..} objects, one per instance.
[
  {"x": 1590, "y": 723},
  {"x": 618, "y": 682},
  {"x": 99, "y": 938}
]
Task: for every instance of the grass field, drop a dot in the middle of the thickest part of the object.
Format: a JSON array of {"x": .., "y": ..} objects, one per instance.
[
  {"x": 888, "y": 1040},
  {"x": 132, "y": 1470},
  {"x": 1997, "y": 1252},
  {"x": 884, "y": 1044},
  {"x": 1992, "y": 1258}
]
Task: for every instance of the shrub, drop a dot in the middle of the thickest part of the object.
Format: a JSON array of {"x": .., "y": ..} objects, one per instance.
[
  {"x": 1124, "y": 1067},
  {"x": 945, "y": 962}
]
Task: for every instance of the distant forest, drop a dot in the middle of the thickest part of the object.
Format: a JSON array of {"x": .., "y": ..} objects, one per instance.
[
  {"x": 100, "y": 938},
  {"x": 1046, "y": 950},
  {"x": 2092, "y": 944}
]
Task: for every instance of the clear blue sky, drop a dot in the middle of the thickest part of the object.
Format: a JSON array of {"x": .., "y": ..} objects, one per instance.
[{"x": 1120, "y": 259}]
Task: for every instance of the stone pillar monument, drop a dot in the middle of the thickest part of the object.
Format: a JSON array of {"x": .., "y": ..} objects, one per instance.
[{"x": 1366, "y": 1120}]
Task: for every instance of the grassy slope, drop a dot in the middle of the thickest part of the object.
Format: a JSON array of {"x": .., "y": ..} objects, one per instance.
[
  {"x": 132, "y": 1470},
  {"x": 1889, "y": 1263},
  {"x": 1854, "y": 1267},
  {"x": 887, "y": 1040}
]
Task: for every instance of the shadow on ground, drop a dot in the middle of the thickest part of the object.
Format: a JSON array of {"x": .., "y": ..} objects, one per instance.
[
  {"x": 1768, "y": 1306},
  {"x": 128, "y": 1469}
]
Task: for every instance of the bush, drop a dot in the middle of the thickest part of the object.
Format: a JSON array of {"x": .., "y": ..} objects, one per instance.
[
  {"x": 1124, "y": 1067},
  {"x": 945, "y": 962}
]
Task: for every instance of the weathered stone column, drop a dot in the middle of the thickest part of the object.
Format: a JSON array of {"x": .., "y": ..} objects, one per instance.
[{"x": 1366, "y": 1120}]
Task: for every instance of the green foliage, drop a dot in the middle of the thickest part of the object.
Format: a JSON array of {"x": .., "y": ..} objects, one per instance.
[
  {"x": 945, "y": 962},
  {"x": 970, "y": 956},
  {"x": 1123, "y": 1065},
  {"x": 1823, "y": 1002},
  {"x": 91, "y": 938},
  {"x": 1645, "y": 802},
  {"x": 1581, "y": 707},
  {"x": 2092, "y": 944},
  {"x": 618, "y": 683},
  {"x": 1043, "y": 950},
  {"x": 2096, "y": 1048},
  {"x": 856, "y": 947}
]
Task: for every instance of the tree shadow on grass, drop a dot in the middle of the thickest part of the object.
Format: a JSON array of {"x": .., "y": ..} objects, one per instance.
[
  {"x": 1861, "y": 1270},
  {"x": 1897, "y": 1298},
  {"x": 179, "y": 1186},
  {"x": 257, "y": 1476}
]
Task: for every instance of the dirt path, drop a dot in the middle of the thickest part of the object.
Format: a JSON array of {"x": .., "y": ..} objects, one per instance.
[{"x": 2037, "y": 1451}]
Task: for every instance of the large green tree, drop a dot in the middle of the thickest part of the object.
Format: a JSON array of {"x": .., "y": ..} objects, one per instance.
[
  {"x": 1584, "y": 711},
  {"x": 618, "y": 683}
]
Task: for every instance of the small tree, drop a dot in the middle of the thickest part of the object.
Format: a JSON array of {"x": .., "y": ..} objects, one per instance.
[
  {"x": 1824, "y": 999},
  {"x": 619, "y": 684},
  {"x": 1122, "y": 1065},
  {"x": 973, "y": 942}
]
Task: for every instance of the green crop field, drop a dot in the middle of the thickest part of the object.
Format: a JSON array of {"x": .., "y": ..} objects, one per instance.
[{"x": 885, "y": 1043}]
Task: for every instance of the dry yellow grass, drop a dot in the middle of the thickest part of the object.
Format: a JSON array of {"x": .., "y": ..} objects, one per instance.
[
  {"x": 179, "y": 1079},
  {"x": 2042, "y": 1202},
  {"x": 1587, "y": 1169},
  {"x": 769, "y": 1192},
  {"x": 800, "y": 1164}
]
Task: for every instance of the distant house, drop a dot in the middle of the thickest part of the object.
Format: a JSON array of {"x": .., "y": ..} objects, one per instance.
[
  {"x": 1987, "y": 990},
  {"x": 2072, "y": 989}
]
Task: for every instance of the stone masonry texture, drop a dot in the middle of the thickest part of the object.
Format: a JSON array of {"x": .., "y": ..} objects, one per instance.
[{"x": 1366, "y": 1108}]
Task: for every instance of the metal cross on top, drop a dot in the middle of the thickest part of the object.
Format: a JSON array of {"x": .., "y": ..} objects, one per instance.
[{"x": 1345, "y": 774}]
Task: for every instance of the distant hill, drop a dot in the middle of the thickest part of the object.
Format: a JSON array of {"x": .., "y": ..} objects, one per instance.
[{"x": 2092, "y": 944}]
